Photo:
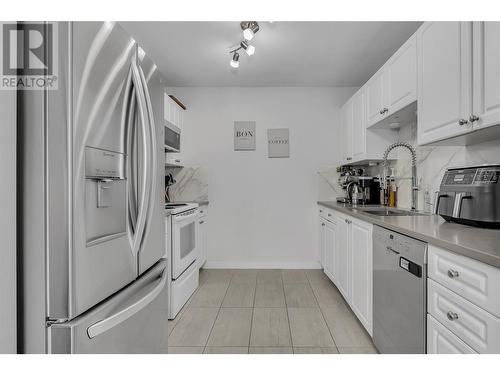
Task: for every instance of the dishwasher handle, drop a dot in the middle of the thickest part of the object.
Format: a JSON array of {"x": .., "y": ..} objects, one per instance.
[{"x": 390, "y": 249}]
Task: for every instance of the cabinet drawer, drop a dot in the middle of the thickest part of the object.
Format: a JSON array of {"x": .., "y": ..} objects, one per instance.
[
  {"x": 441, "y": 340},
  {"x": 202, "y": 211},
  {"x": 326, "y": 213},
  {"x": 322, "y": 212},
  {"x": 475, "y": 326},
  {"x": 473, "y": 280}
]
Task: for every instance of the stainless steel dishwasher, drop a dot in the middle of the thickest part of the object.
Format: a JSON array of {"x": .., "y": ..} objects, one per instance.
[{"x": 399, "y": 292}]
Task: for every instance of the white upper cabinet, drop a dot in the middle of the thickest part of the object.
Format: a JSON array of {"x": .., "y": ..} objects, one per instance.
[
  {"x": 358, "y": 137},
  {"x": 444, "y": 80},
  {"x": 374, "y": 91},
  {"x": 486, "y": 63},
  {"x": 400, "y": 74},
  {"x": 394, "y": 86},
  {"x": 346, "y": 132},
  {"x": 173, "y": 113}
]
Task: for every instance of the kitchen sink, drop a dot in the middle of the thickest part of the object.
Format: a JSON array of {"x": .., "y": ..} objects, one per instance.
[{"x": 385, "y": 211}]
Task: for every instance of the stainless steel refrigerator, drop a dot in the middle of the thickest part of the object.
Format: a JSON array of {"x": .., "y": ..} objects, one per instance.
[{"x": 92, "y": 273}]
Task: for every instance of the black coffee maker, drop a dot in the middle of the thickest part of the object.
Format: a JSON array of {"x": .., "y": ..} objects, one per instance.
[{"x": 371, "y": 189}]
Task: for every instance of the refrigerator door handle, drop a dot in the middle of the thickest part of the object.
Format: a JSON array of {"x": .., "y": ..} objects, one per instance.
[
  {"x": 152, "y": 150},
  {"x": 115, "y": 319},
  {"x": 143, "y": 210}
]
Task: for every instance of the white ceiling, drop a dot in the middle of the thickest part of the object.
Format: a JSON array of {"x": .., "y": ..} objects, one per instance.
[{"x": 287, "y": 53}]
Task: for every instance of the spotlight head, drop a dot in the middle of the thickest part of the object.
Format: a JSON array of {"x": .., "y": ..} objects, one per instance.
[
  {"x": 249, "y": 29},
  {"x": 235, "y": 63},
  {"x": 250, "y": 50}
]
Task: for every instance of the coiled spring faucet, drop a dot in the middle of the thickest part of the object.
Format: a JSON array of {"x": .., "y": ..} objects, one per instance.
[{"x": 414, "y": 186}]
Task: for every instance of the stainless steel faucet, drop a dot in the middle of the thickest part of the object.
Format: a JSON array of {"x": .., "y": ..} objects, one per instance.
[{"x": 414, "y": 186}]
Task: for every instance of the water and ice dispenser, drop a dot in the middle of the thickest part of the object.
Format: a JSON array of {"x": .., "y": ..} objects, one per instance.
[{"x": 105, "y": 194}]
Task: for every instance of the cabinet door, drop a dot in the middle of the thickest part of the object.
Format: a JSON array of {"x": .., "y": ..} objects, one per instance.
[
  {"x": 444, "y": 80},
  {"x": 361, "y": 272},
  {"x": 358, "y": 136},
  {"x": 330, "y": 246},
  {"x": 346, "y": 132},
  {"x": 400, "y": 86},
  {"x": 374, "y": 92},
  {"x": 486, "y": 73},
  {"x": 321, "y": 241},
  {"x": 441, "y": 341},
  {"x": 342, "y": 256}
]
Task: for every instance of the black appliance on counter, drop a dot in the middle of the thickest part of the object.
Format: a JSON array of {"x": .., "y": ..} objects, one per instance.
[{"x": 470, "y": 195}]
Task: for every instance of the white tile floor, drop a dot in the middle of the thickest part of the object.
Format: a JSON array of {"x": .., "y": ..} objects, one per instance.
[{"x": 267, "y": 311}]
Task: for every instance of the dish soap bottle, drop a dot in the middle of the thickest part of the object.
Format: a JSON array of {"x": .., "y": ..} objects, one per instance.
[{"x": 393, "y": 190}]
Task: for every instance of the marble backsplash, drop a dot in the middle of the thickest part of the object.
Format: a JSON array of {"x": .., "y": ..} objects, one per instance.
[
  {"x": 191, "y": 185},
  {"x": 432, "y": 162}
]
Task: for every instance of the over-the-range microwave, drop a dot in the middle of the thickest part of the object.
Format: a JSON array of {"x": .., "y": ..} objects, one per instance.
[{"x": 172, "y": 138}]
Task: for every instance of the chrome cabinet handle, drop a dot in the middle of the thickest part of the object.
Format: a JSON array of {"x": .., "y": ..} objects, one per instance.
[
  {"x": 452, "y": 274},
  {"x": 473, "y": 118},
  {"x": 462, "y": 122},
  {"x": 452, "y": 315}
]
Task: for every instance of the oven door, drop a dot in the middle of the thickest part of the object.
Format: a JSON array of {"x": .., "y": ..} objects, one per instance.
[{"x": 184, "y": 238}]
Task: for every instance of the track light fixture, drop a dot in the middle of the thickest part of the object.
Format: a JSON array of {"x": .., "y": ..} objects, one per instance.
[
  {"x": 235, "y": 61},
  {"x": 249, "y": 29}
]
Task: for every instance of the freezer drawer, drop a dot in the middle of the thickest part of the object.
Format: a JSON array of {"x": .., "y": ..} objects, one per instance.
[{"x": 132, "y": 321}]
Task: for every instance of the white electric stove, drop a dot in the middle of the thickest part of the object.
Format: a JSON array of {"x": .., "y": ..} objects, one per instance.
[{"x": 183, "y": 253}]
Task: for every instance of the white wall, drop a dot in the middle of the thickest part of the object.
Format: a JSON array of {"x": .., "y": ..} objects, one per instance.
[
  {"x": 8, "y": 222},
  {"x": 262, "y": 211}
]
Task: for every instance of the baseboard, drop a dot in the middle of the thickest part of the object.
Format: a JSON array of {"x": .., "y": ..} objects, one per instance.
[{"x": 262, "y": 265}]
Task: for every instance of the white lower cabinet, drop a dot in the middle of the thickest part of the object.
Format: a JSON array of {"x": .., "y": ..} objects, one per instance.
[
  {"x": 473, "y": 325},
  {"x": 347, "y": 246},
  {"x": 361, "y": 271},
  {"x": 321, "y": 235},
  {"x": 202, "y": 236},
  {"x": 329, "y": 239},
  {"x": 462, "y": 297},
  {"x": 342, "y": 255},
  {"x": 442, "y": 341}
]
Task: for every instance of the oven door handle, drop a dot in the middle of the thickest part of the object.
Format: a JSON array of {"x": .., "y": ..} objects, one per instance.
[{"x": 180, "y": 218}]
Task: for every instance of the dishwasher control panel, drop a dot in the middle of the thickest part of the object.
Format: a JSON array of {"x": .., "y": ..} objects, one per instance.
[{"x": 410, "y": 266}]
